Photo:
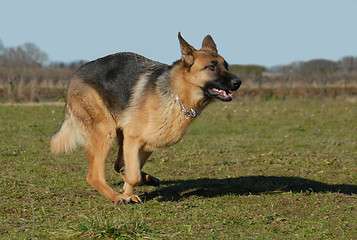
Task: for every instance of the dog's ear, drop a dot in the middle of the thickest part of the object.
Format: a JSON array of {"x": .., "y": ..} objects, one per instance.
[
  {"x": 208, "y": 44},
  {"x": 186, "y": 51}
]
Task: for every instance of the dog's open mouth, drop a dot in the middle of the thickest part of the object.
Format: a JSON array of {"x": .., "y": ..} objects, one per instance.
[{"x": 223, "y": 95}]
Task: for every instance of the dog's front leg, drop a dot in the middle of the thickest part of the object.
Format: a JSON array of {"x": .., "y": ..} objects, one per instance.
[{"x": 132, "y": 172}]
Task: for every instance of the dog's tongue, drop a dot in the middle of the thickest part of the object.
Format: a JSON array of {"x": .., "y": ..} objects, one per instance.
[{"x": 222, "y": 93}]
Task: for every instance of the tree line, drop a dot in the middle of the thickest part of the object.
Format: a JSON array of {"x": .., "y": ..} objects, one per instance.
[
  {"x": 27, "y": 74},
  {"x": 27, "y": 55},
  {"x": 345, "y": 64},
  {"x": 318, "y": 77}
]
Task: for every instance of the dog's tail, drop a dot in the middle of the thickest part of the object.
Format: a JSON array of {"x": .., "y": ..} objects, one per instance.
[{"x": 68, "y": 137}]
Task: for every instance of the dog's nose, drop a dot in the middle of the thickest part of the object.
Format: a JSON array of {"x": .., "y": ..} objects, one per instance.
[{"x": 236, "y": 82}]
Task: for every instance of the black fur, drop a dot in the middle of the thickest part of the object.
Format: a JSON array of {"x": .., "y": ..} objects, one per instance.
[{"x": 114, "y": 76}]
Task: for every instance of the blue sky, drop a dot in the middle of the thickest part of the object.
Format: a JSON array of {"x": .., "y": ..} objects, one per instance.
[{"x": 246, "y": 32}]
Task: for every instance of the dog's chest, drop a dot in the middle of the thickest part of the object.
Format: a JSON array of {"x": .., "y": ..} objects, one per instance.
[
  {"x": 156, "y": 122},
  {"x": 164, "y": 131}
]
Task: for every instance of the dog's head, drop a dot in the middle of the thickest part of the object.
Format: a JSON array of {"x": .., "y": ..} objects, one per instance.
[{"x": 207, "y": 70}]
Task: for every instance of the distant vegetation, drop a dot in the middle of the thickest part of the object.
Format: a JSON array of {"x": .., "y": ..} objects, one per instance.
[
  {"x": 27, "y": 74},
  {"x": 317, "y": 77}
]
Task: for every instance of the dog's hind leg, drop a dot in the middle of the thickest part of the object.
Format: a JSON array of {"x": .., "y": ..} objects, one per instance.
[
  {"x": 98, "y": 147},
  {"x": 100, "y": 135},
  {"x": 119, "y": 165}
]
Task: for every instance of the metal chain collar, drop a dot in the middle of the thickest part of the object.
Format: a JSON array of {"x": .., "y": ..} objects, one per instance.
[{"x": 187, "y": 114}]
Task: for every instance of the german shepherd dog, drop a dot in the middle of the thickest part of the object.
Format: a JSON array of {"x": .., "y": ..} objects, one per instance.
[{"x": 144, "y": 104}]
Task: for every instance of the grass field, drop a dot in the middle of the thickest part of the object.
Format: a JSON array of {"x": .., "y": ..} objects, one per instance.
[{"x": 274, "y": 169}]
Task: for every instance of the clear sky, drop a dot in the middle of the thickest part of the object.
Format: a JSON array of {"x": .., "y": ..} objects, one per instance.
[{"x": 266, "y": 32}]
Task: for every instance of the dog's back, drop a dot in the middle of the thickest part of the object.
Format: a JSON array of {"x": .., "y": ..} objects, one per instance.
[{"x": 114, "y": 76}]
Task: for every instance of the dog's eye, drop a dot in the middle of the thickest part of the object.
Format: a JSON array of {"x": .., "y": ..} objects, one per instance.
[{"x": 212, "y": 67}]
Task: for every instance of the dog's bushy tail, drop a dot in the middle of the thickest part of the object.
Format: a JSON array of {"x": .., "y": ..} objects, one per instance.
[{"x": 68, "y": 137}]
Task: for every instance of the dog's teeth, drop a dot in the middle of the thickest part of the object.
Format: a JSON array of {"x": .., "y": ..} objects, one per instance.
[{"x": 222, "y": 93}]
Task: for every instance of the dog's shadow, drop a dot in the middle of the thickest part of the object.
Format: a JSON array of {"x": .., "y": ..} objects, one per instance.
[{"x": 207, "y": 187}]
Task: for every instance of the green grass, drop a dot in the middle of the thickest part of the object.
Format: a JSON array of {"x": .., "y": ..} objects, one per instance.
[{"x": 276, "y": 169}]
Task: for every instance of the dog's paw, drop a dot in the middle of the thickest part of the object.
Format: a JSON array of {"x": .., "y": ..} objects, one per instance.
[
  {"x": 126, "y": 199},
  {"x": 134, "y": 199},
  {"x": 150, "y": 180},
  {"x": 153, "y": 181}
]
